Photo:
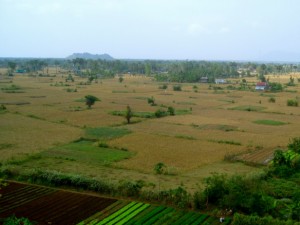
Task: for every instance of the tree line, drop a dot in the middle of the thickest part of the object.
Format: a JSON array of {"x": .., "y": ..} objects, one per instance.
[{"x": 162, "y": 70}]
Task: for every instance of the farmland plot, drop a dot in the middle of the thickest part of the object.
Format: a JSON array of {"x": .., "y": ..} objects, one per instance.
[{"x": 52, "y": 206}]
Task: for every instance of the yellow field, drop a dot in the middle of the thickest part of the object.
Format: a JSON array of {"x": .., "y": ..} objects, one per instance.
[{"x": 192, "y": 145}]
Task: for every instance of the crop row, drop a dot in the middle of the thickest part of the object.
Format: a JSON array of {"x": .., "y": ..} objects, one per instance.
[
  {"x": 22, "y": 196},
  {"x": 135, "y": 213}
]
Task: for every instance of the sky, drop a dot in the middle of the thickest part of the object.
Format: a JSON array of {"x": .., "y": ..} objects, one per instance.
[{"x": 152, "y": 29}]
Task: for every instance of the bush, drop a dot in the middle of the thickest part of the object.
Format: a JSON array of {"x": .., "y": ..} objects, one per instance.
[
  {"x": 292, "y": 102},
  {"x": 13, "y": 220},
  {"x": 151, "y": 101},
  {"x": 275, "y": 87},
  {"x": 164, "y": 87},
  {"x": 272, "y": 100},
  {"x": 295, "y": 145},
  {"x": 177, "y": 88},
  {"x": 2, "y": 107},
  {"x": 160, "y": 113},
  {"x": 171, "y": 111},
  {"x": 240, "y": 219}
]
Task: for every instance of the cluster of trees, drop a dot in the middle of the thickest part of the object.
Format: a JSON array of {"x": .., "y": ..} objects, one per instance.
[
  {"x": 163, "y": 70},
  {"x": 273, "y": 193}
]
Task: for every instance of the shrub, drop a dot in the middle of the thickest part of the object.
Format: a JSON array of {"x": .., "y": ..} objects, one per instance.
[
  {"x": 276, "y": 87},
  {"x": 164, "y": 87},
  {"x": 240, "y": 219},
  {"x": 272, "y": 100},
  {"x": 177, "y": 87},
  {"x": 171, "y": 110},
  {"x": 13, "y": 220},
  {"x": 2, "y": 107},
  {"x": 160, "y": 113},
  {"x": 151, "y": 101},
  {"x": 292, "y": 102},
  {"x": 294, "y": 144}
]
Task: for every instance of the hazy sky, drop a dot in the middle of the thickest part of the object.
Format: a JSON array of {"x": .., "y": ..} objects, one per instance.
[{"x": 151, "y": 29}]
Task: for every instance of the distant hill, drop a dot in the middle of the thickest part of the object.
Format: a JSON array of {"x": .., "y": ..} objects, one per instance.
[{"x": 87, "y": 55}]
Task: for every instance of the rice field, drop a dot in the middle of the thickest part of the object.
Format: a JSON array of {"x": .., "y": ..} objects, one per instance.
[{"x": 43, "y": 118}]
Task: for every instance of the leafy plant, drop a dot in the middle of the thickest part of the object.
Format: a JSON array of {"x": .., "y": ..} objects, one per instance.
[
  {"x": 90, "y": 100},
  {"x": 160, "y": 113},
  {"x": 292, "y": 102},
  {"x": 177, "y": 87},
  {"x": 13, "y": 220},
  {"x": 294, "y": 144}
]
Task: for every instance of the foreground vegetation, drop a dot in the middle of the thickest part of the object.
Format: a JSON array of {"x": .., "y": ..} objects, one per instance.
[{"x": 272, "y": 194}]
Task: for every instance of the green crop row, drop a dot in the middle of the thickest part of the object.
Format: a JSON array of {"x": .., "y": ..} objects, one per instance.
[
  {"x": 114, "y": 215},
  {"x": 143, "y": 214}
]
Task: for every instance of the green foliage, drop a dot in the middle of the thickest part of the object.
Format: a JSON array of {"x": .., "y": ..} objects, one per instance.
[
  {"x": 121, "y": 79},
  {"x": 12, "y": 89},
  {"x": 164, "y": 87},
  {"x": 87, "y": 152},
  {"x": 171, "y": 111},
  {"x": 291, "y": 82},
  {"x": 226, "y": 142},
  {"x": 70, "y": 78},
  {"x": 294, "y": 144},
  {"x": 90, "y": 100},
  {"x": 105, "y": 133},
  {"x": 71, "y": 90},
  {"x": 275, "y": 87},
  {"x": 160, "y": 168},
  {"x": 2, "y": 108},
  {"x": 58, "y": 179},
  {"x": 240, "y": 219},
  {"x": 272, "y": 100},
  {"x": 292, "y": 102},
  {"x": 269, "y": 122},
  {"x": 135, "y": 114},
  {"x": 151, "y": 101},
  {"x": 238, "y": 193},
  {"x": 128, "y": 114},
  {"x": 177, "y": 87},
  {"x": 13, "y": 220},
  {"x": 160, "y": 113},
  {"x": 249, "y": 108},
  {"x": 279, "y": 188}
]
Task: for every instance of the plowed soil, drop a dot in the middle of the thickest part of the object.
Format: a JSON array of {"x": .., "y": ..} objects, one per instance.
[{"x": 49, "y": 206}]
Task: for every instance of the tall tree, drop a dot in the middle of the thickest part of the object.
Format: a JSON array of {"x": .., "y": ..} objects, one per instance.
[
  {"x": 90, "y": 100},
  {"x": 128, "y": 114}
]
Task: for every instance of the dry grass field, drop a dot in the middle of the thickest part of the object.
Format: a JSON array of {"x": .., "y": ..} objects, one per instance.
[{"x": 43, "y": 113}]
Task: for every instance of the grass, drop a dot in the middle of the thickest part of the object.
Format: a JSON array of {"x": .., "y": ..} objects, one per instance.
[
  {"x": 135, "y": 114},
  {"x": 222, "y": 127},
  {"x": 87, "y": 152},
  {"x": 12, "y": 89},
  {"x": 182, "y": 111},
  {"x": 225, "y": 142},
  {"x": 270, "y": 122},
  {"x": 249, "y": 108},
  {"x": 186, "y": 137},
  {"x": 105, "y": 133},
  {"x": 5, "y": 145},
  {"x": 186, "y": 103}
]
